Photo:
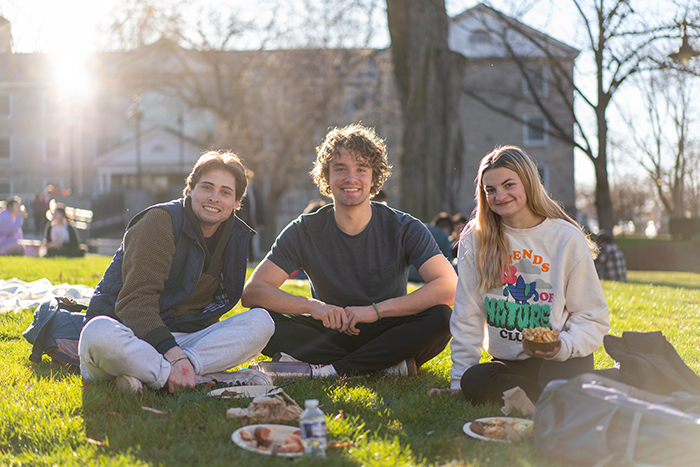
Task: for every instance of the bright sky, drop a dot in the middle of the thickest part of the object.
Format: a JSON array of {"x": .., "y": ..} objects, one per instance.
[
  {"x": 70, "y": 27},
  {"x": 55, "y": 26}
]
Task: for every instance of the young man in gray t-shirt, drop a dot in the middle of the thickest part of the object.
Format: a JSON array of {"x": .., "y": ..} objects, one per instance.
[{"x": 356, "y": 254}]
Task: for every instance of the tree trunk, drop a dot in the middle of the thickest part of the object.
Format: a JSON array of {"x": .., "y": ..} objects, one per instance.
[
  {"x": 423, "y": 66},
  {"x": 603, "y": 201}
]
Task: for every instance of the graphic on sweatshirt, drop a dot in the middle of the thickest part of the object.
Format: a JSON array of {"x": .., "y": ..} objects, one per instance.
[{"x": 529, "y": 307}]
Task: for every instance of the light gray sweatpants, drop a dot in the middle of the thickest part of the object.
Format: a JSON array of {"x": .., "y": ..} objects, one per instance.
[{"x": 109, "y": 349}]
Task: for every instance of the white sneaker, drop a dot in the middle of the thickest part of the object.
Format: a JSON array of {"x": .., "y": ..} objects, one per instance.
[
  {"x": 323, "y": 371},
  {"x": 245, "y": 377},
  {"x": 403, "y": 368},
  {"x": 317, "y": 370},
  {"x": 128, "y": 383}
]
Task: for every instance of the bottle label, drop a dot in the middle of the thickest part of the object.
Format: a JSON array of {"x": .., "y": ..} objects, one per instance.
[{"x": 315, "y": 429}]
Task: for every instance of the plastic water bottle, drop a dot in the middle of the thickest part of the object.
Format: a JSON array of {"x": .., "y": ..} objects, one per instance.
[{"x": 312, "y": 424}]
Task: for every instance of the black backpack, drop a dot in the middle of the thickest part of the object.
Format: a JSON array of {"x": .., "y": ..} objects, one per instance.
[{"x": 648, "y": 361}]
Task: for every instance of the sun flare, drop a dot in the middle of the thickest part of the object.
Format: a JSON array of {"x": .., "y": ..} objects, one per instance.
[{"x": 71, "y": 74}]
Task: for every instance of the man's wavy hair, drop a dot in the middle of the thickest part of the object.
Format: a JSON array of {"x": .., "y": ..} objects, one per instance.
[
  {"x": 218, "y": 160},
  {"x": 359, "y": 140}
]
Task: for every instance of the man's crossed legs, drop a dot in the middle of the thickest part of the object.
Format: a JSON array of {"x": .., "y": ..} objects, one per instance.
[
  {"x": 379, "y": 345},
  {"x": 108, "y": 349}
]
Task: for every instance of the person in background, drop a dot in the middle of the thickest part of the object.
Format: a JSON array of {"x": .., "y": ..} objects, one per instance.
[
  {"x": 39, "y": 208},
  {"x": 523, "y": 263},
  {"x": 11, "y": 220},
  {"x": 155, "y": 317},
  {"x": 380, "y": 197},
  {"x": 254, "y": 213},
  {"x": 610, "y": 262},
  {"x": 356, "y": 252},
  {"x": 459, "y": 220},
  {"x": 61, "y": 238}
]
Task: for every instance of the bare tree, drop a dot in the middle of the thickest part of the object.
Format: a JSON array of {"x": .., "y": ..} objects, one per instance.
[
  {"x": 270, "y": 106},
  {"x": 665, "y": 146},
  {"x": 618, "y": 42},
  {"x": 426, "y": 74},
  {"x": 631, "y": 197}
]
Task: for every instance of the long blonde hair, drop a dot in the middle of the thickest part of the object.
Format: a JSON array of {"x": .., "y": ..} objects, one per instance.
[{"x": 492, "y": 256}]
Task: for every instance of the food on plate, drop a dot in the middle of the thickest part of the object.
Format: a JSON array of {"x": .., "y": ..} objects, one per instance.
[
  {"x": 292, "y": 443},
  {"x": 503, "y": 428},
  {"x": 540, "y": 334},
  {"x": 262, "y": 438},
  {"x": 262, "y": 435}
]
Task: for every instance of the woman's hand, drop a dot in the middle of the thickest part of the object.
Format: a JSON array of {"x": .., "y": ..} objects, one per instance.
[
  {"x": 438, "y": 391},
  {"x": 539, "y": 353}
]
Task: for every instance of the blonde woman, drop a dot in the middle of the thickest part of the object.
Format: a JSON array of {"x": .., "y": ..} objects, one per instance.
[{"x": 523, "y": 263}]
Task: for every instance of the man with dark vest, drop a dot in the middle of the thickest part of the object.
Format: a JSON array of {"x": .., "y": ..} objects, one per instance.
[{"x": 155, "y": 316}]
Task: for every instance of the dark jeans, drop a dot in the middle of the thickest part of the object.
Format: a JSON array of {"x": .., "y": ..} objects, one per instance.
[
  {"x": 486, "y": 382},
  {"x": 379, "y": 345}
]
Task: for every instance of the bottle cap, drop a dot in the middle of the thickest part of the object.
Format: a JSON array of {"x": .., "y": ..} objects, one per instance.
[{"x": 311, "y": 403}]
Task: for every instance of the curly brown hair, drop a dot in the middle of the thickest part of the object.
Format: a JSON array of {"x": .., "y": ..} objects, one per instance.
[{"x": 360, "y": 140}]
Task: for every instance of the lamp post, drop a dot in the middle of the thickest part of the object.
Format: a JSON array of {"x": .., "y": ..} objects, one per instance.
[
  {"x": 136, "y": 113},
  {"x": 685, "y": 51}
]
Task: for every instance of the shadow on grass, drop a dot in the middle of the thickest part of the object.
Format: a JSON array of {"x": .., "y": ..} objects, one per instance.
[
  {"x": 189, "y": 429},
  {"x": 390, "y": 421},
  {"x": 664, "y": 283},
  {"x": 54, "y": 372}
]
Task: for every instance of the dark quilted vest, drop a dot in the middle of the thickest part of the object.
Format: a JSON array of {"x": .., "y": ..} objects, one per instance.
[{"x": 188, "y": 262}]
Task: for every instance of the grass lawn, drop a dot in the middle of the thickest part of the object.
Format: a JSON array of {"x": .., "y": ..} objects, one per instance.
[{"x": 48, "y": 417}]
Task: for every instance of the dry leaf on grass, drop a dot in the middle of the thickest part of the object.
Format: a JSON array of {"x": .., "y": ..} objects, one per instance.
[
  {"x": 339, "y": 444},
  {"x": 95, "y": 442},
  {"x": 155, "y": 411}
]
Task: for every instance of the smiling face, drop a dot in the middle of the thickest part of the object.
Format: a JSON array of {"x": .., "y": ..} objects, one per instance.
[
  {"x": 214, "y": 199},
  {"x": 350, "y": 179},
  {"x": 506, "y": 197}
]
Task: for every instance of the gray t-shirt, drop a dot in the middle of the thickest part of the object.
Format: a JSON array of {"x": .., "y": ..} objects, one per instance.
[{"x": 354, "y": 270}]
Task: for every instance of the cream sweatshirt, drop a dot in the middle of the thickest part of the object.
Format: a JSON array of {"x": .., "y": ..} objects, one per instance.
[{"x": 551, "y": 282}]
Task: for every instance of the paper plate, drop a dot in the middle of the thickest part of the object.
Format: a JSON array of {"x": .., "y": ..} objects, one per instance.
[
  {"x": 244, "y": 391},
  {"x": 278, "y": 433},
  {"x": 467, "y": 427}
]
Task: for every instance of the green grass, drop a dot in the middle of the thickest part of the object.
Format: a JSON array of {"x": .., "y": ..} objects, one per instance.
[{"x": 47, "y": 416}]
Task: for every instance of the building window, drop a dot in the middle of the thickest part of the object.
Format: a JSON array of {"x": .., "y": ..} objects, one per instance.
[
  {"x": 5, "y": 188},
  {"x": 51, "y": 106},
  {"x": 5, "y": 148},
  {"x": 480, "y": 37},
  {"x": 534, "y": 130},
  {"x": 52, "y": 148},
  {"x": 537, "y": 77},
  {"x": 5, "y": 105}
]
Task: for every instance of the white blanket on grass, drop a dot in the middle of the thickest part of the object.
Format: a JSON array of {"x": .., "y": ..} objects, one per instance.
[{"x": 17, "y": 295}]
